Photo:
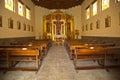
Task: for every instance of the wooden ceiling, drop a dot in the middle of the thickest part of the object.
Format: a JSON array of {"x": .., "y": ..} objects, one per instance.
[{"x": 57, "y": 4}]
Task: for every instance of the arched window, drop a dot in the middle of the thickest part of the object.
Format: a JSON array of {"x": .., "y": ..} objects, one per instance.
[
  {"x": 105, "y": 4},
  {"x": 116, "y": 1},
  {"x": 94, "y": 8},
  {"x": 20, "y": 8},
  {"x": 88, "y": 13},
  {"x": 9, "y": 4},
  {"x": 28, "y": 13}
]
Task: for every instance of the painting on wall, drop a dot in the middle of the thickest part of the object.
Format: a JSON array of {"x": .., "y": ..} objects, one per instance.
[
  {"x": 86, "y": 27},
  {"x": 28, "y": 27},
  {"x": 10, "y": 23},
  {"x": 32, "y": 28},
  {"x": 97, "y": 24},
  {"x": 76, "y": 32},
  {"x": 0, "y": 21},
  {"x": 83, "y": 28},
  {"x": 18, "y": 25},
  {"x": 91, "y": 26},
  {"x": 48, "y": 27},
  {"x": 68, "y": 26},
  {"x": 119, "y": 18},
  {"x": 116, "y": 1},
  {"x": 108, "y": 21},
  {"x": 24, "y": 27}
]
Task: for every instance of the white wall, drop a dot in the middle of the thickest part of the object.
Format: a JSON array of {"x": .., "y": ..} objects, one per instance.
[
  {"x": 76, "y": 13},
  {"x": 39, "y": 13},
  {"x": 6, "y": 32},
  {"x": 113, "y": 11}
]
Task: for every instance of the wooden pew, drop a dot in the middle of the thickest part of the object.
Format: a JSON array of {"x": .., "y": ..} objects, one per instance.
[
  {"x": 45, "y": 44},
  {"x": 98, "y": 54},
  {"x": 13, "y": 54},
  {"x": 3, "y": 58},
  {"x": 86, "y": 45}
]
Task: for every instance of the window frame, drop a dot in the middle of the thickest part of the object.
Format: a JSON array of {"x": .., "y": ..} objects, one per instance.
[
  {"x": 87, "y": 12},
  {"x": 8, "y": 6},
  {"x": 105, "y": 6},
  {"x": 28, "y": 15},
  {"x": 93, "y": 12},
  {"x": 21, "y": 13}
]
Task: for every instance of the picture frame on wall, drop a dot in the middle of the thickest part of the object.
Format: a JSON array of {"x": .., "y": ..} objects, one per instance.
[
  {"x": 32, "y": 28},
  {"x": 0, "y": 21},
  {"x": 91, "y": 26},
  {"x": 18, "y": 25},
  {"x": 119, "y": 18},
  {"x": 108, "y": 21},
  {"x": 116, "y": 1},
  {"x": 48, "y": 27},
  {"x": 28, "y": 27},
  {"x": 97, "y": 24},
  {"x": 24, "y": 27},
  {"x": 76, "y": 32},
  {"x": 86, "y": 27},
  {"x": 10, "y": 23},
  {"x": 83, "y": 28},
  {"x": 68, "y": 26}
]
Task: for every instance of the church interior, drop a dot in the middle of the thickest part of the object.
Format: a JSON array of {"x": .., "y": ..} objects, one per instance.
[{"x": 59, "y": 39}]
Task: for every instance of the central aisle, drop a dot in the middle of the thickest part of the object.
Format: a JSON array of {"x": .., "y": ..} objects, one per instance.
[{"x": 57, "y": 65}]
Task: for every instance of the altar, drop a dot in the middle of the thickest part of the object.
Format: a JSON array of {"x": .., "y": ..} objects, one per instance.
[
  {"x": 59, "y": 25},
  {"x": 59, "y": 39},
  {"x": 63, "y": 36}
]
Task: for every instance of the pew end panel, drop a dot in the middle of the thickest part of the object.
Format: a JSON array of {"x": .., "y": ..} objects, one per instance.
[
  {"x": 15, "y": 55},
  {"x": 88, "y": 55},
  {"x": 103, "y": 55}
]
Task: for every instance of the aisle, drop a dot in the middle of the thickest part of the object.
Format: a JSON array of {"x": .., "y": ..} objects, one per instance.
[{"x": 57, "y": 65}]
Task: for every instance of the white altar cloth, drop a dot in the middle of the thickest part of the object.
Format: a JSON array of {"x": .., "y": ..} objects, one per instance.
[{"x": 60, "y": 36}]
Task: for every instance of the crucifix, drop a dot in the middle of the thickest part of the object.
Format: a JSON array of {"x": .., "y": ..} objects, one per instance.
[
  {"x": 58, "y": 27},
  {"x": 58, "y": 24}
]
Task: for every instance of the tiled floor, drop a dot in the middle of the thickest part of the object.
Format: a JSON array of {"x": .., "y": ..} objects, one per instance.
[{"x": 58, "y": 66}]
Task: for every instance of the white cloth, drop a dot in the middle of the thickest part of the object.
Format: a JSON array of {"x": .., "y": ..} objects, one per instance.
[{"x": 60, "y": 36}]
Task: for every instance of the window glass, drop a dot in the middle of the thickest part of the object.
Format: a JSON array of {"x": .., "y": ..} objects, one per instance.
[
  {"x": 105, "y": 4},
  {"x": 95, "y": 8},
  {"x": 27, "y": 13},
  {"x": 87, "y": 13},
  {"x": 9, "y": 4},
  {"x": 20, "y": 8},
  {"x": 116, "y": 1}
]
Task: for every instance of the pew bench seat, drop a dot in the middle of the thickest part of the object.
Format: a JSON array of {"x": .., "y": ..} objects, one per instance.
[
  {"x": 99, "y": 54},
  {"x": 14, "y": 55},
  {"x": 85, "y": 45}
]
